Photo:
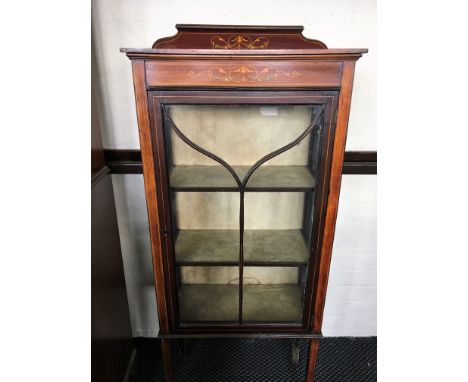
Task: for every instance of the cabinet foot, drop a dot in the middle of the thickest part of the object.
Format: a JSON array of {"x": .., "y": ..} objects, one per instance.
[
  {"x": 295, "y": 352},
  {"x": 312, "y": 361},
  {"x": 166, "y": 352}
]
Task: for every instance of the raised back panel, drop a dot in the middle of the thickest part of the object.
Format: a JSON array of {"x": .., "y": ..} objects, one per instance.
[{"x": 238, "y": 37}]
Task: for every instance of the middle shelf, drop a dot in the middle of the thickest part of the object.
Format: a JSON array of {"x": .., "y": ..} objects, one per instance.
[
  {"x": 261, "y": 247},
  {"x": 217, "y": 178}
]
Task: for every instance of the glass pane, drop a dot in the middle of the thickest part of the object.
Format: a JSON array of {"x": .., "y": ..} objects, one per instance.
[
  {"x": 278, "y": 230},
  {"x": 220, "y": 198},
  {"x": 240, "y": 135},
  {"x": 274, "y": 239},
  {"x": 207, "y": 240}
]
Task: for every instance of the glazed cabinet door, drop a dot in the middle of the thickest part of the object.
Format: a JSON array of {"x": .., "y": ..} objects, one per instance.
[{"x": 243, "y": 185}]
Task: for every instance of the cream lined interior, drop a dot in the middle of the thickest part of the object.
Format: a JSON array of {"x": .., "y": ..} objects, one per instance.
[
  {"x": 240, "y": 135},
  {"x": 220, "y": 210},
  {"x": 230, "y": 275}
]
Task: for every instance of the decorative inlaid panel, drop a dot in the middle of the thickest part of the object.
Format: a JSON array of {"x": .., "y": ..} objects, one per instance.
[
  {"x": 243, "y": 74},
  {"x": 267, "y": 73},
  {"x": 238, "y": 37}
]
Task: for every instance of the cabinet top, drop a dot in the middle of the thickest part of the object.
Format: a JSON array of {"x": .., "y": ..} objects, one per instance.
[{"x": 226, "y": 40}]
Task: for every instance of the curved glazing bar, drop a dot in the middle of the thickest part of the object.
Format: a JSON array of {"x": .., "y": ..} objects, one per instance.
[
  {"x": 242, "y": 184},
  {"x": 201, "y": 149},
  {"x": 281, "y": 149}
]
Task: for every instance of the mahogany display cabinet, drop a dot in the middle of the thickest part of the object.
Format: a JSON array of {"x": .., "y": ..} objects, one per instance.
[{"x": 242, "y": 133}]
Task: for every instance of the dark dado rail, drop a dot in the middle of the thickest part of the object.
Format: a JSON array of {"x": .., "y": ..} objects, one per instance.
[{"x": 129, "y": 162}]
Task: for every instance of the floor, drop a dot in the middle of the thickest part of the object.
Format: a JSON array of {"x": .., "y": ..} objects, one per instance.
[{"x": 244, "y": 360}]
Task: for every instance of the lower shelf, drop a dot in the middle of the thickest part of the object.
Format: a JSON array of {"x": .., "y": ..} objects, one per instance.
[
  {"x": 272, "y": 303},
  {"x": 209, "y": 303},
  {"x": 220, "y": 303}
]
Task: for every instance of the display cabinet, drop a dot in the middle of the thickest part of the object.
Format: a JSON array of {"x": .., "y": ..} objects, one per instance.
[{"x": 242, "y": 133}]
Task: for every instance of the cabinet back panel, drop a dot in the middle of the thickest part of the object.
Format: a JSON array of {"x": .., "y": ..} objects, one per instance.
[
  {"x": 230, "y": 275},
  {"x": 240, "y": 134},
  {"x": 220, "y": 210}
]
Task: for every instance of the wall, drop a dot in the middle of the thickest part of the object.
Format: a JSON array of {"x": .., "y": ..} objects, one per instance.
[{"x": 351, "y": 303}]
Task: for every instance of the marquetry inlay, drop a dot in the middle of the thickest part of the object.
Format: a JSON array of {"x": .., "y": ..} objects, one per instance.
[
  {"x": 242, "y": 74},
  {"x": 238, "y": 42}
]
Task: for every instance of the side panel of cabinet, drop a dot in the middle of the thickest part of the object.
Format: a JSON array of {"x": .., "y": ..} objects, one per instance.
[
  {"x": 323, "y": 268},
  {"x": 149, "y": 162}
]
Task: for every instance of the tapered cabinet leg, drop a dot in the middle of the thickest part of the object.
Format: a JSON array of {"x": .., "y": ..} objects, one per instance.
[
  {"x": 313, "y": 351},
  {"x": 166, "y": 350}
]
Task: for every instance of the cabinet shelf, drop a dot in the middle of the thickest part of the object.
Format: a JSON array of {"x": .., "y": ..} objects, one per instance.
[
  {"x": 261, "y": 247},
  {"x": 265, "y": 178},
  {"x": 272, "y": 303},
  {"x": 220, "y": 303}
]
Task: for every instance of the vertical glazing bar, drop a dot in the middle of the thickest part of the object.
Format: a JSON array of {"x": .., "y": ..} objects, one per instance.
[{"x": 241, "y": 252}]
